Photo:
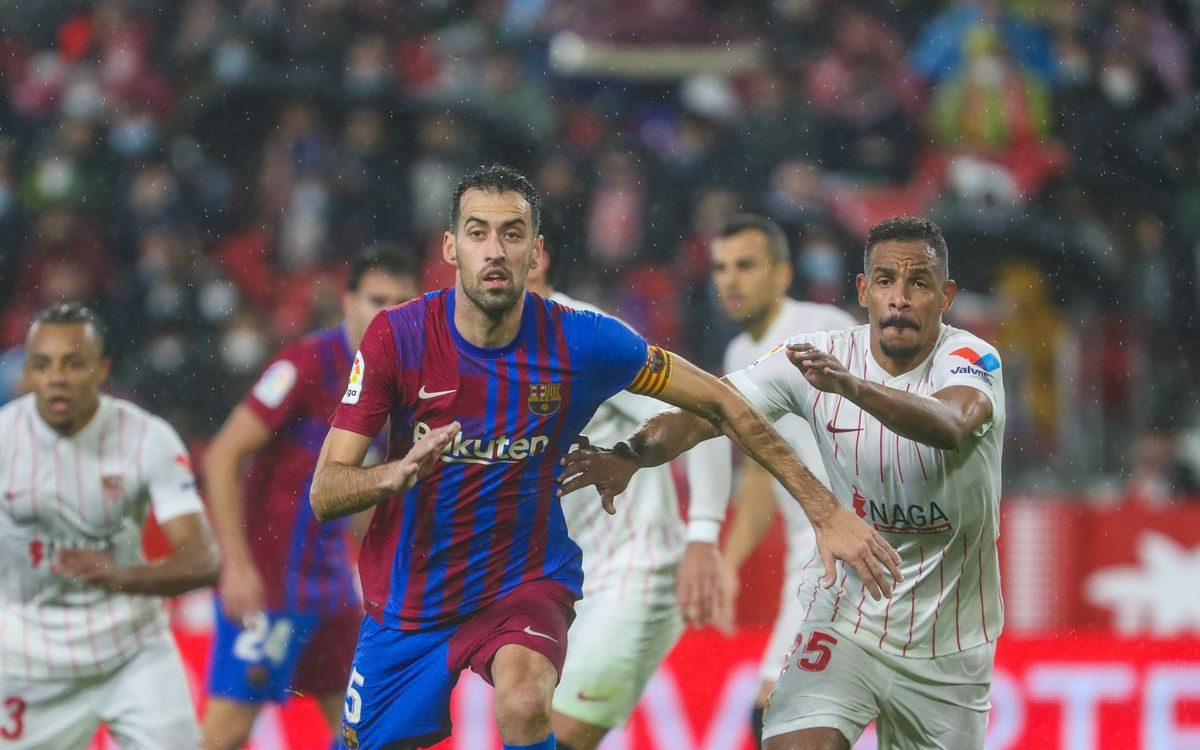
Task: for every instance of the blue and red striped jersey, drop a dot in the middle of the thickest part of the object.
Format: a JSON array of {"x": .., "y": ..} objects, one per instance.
[
  {"x": 305, "y": 565},
  {"x": 487, "y": 517}
]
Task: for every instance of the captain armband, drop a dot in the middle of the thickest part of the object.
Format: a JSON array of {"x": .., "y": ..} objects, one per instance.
[{"x": 655, "y": 375}]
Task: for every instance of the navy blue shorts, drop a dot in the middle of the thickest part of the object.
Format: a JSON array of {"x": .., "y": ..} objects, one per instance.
[{"x": 400, "y": 681}]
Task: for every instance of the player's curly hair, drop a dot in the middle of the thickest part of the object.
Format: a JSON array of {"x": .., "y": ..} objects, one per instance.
[
  {"x": 904, "y": 229},
  {"x": 71, "y": 313},
  {"x": 497, "y": 178}
]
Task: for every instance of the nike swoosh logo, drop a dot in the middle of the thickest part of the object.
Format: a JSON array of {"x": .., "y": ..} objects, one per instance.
[
  {"x": 531, "y": 631},
  {"x": 426, "y": 394},
  {"x": 584, "y": 697},
  {"x": 829, "y": 426}
]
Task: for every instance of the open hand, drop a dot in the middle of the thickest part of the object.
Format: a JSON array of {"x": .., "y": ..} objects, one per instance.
[
  {"x": 822, "y": 370},
  {"x": 422, "y": 456},
  {"x": 700, "y": 588},
  {"x": 844, "y": 536},
  {"x": 607, "y": 469}
]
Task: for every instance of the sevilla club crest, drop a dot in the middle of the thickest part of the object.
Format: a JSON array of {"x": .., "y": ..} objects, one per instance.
[
  {"x": 112, "y": 487},
  {"x": 545, "y": 398}
]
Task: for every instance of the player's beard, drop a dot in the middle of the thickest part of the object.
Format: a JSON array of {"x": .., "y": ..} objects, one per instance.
[
  {"x": 493, "y": 303},
  {"x": 895, "y": 349}
]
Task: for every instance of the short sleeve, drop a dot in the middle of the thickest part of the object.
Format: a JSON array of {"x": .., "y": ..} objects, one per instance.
[
  {"x": 617, "y": 354},
  {"x": 168, "y": 472},
  {"x": 275, "y": 395},
  {"x": 970, "y": 361},
  {"x": 371, "y": 390},
  {"x": 773, "y": 384}
]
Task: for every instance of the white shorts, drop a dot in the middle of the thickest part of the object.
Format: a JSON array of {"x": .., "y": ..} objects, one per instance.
[
  {"x": 613, "y": 649},
  {"x": 925, "y": 704},
  {"x": 783, "y": 633},
  {"x": 145, "y": 703}
]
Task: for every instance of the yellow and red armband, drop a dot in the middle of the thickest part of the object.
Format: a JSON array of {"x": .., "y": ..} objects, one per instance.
[{"x": 655, "y": 375}]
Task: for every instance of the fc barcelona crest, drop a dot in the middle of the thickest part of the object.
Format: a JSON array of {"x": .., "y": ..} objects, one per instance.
[
  {"x": 545, "y": 398},
  {"x": 112, "y": 487}
]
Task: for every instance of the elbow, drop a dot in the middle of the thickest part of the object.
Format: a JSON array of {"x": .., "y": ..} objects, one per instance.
[{"x": 951, "y": 438}]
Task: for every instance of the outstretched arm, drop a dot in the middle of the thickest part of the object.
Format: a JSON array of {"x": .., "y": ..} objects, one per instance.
[
  {"x": 719, "y": 408},
  {"x": 341, "y": 486},
  {"x": 944, "y": 420}
]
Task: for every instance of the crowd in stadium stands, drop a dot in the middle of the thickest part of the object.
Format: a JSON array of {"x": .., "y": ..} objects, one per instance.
[{"x": 198, "y": 171}]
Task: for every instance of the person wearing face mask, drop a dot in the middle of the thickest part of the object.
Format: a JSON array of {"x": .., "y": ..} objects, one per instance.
[
  {"x": 752, "y": 270},
  {"x": 287, "y": 610}
]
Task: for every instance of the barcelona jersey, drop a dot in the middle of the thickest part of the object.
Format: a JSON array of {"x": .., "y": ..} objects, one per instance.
[
  {"x": 305, "y": 565},
  {"x": 487, "y": 517}
]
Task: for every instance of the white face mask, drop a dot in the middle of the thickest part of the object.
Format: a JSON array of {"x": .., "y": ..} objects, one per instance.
[{"x": 1120, "y": 85}]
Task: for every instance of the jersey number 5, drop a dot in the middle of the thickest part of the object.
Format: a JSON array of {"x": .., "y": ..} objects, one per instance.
[
  {"x": 14, "y": 723},
  {"x": 817, "y": 652},
  {"x": 353, "y": 698}
]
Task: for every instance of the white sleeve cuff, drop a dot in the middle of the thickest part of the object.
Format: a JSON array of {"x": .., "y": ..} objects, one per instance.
[{"x": 703, "y": 530}]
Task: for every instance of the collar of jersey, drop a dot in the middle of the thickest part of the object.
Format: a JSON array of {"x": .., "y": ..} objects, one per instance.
[{"x": 527, "y": 313}]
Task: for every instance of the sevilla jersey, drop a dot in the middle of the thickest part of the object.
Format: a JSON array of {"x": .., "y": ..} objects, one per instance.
[
  {"x": 632, "y": 555},
  {"x": 938, "y": 508},
  {"x": 89, "y": 490},
  {"x": 487, "y": 517},
  {"x": 305, "y": 565}
]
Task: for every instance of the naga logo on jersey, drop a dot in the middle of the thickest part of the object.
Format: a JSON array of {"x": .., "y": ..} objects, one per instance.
[
  {"x": 354, "y": 387},
  {"x": 895, "y": 518},
  {"x": 501, "y": 450},
  {"x": 981, "y": 367},
  {"x": 112, "y": 487},
  {"x": 545, "y": 398}
]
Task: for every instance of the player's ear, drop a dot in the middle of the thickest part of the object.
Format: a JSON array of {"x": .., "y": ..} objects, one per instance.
[
  {"x": 103, "y": 369},
  {"x": 860, "y": 282},
  {"x": 449, "y": 249},
  {"x": 949, "y": 289},
  {"x": 535, "y": 258}
]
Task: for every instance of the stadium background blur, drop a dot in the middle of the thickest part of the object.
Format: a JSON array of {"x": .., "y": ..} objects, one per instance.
[{"x": 199, "y": 170}]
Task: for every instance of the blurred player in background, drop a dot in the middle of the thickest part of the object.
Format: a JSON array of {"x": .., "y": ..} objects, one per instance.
[
  {"x": 909, "y": 415},
  {"x": 287, "y": 608},
  {"x": 628, "y": 620},
  {"x": 751, "y": 271},
  {"x": 83, "y": 636},
  {"x": 467, "y": 561}
]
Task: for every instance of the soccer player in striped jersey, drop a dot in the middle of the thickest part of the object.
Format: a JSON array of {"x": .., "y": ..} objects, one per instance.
[
  {"x": 751, "y": 271},
  {"x": 83, "y": 635},
  {"x": 467, "y": 562},
  {"x": 909, "y": 415},
  {"x": 287, "y": 611}
]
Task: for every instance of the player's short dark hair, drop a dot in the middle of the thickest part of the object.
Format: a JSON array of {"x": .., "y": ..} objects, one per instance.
[
  {"x": 777, "y": 241},
  {"x": 497, "y": 179},
  {"x": 388, "y": 257},
  {"x": 905, "y": 229},
  {"x": 72, "y": 313}
]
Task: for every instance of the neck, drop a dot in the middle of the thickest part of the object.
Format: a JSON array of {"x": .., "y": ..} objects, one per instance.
[
  {"x": 895, "y": 366},
  {"x": 757, "y": 328},
  {"x": 540, "y": 288},
  {"x": 483, "y": 329}
]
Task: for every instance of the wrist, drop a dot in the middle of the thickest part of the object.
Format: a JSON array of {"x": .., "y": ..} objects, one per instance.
[{"x": 703, "y": 531}]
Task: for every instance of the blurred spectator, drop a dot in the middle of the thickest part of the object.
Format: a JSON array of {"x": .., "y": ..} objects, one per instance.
[{"x": 1159, "y": 475}]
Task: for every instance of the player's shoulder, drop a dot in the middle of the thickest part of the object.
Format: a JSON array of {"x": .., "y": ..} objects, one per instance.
[
  {"x": 804, "y": 317},
  {"x": 960, "y": 342},
  {"x": 139, "y": 418},
  {"x": 15, "y": 408}
]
